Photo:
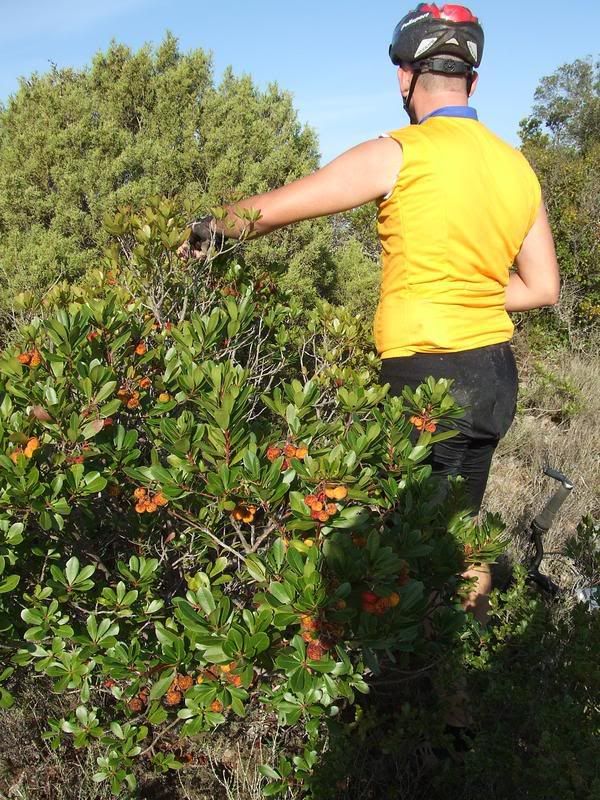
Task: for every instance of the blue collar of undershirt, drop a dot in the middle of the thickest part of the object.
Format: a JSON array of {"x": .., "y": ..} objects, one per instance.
[{"x": 452, "y": 111}]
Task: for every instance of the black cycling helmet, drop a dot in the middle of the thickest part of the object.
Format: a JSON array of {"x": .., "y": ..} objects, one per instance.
[{"x": 428, "y": 32}]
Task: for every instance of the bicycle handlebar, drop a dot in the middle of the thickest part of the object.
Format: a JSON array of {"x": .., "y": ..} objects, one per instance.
[
  {"x": 558, "y": 476},
  {"x": 542, "y": 524},
  {"x": 545, "y": 518}
]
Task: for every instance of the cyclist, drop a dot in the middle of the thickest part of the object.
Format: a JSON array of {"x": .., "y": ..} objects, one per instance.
[{"x": 457, "y": 207}]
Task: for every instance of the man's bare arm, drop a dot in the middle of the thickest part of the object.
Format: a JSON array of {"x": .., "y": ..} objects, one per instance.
[
  {"x": 364, "y": 173},
  {"x": 536, "y": 282}
]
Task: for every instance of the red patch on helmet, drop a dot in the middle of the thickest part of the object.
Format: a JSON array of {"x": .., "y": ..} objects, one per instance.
[
  {"x": 456, "y": 13},
  {"x": 425, "y": 8}
]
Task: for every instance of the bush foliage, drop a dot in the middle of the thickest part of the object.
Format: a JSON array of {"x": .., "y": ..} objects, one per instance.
[{"x": 189, "y": 532}]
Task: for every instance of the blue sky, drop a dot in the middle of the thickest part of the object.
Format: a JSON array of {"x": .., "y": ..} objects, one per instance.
[{"x": 331, "y": 55}]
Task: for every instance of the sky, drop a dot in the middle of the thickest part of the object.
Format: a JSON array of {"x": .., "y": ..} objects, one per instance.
[{"x": 330, "y": 54}]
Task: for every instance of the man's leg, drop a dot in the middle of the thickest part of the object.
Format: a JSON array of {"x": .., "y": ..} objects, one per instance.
[{"x": 475, "y": 470}]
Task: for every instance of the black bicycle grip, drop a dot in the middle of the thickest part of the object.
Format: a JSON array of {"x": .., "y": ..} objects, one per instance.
[{"x": 546, "y": 516}]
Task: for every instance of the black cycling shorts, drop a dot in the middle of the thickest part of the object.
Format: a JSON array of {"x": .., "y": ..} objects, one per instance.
[{"x": 485, "y": 383}]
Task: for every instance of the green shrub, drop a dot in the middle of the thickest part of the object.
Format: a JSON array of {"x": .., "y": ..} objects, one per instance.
[{"x": 188, "y": 531}]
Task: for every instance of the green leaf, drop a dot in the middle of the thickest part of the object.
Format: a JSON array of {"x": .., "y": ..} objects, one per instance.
[
  {"x": 92, "y": 428},
  {"x": 259, "y": 643},
  {"x": 283, "y": 593},
  {"x": 206, "y": 599},
  {"x": 72, "y": 570},
  {"x": 256, "y": 568},
  {"x": 9, "y": 583},
  {"x": 161, "y": 686}
]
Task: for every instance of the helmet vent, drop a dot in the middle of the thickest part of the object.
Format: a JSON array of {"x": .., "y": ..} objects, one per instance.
[
  {"x": 425, "y": 46},
  {"x": 472, "y": 49}
]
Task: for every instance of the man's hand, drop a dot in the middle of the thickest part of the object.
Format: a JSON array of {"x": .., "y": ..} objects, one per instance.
[{"x": 202, "y": 238}]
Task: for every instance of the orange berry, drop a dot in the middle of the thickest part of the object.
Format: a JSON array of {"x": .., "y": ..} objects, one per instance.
[
  {"x": 31, "y": 446},
  {"x": 133, "y": 402},
  {"x": 226, "y": 668},
  {"x": 315, "y": 651},
  {"x": 289, "y": 451},
  {"x": 139, "y": 493},
  {"x": 200, "y": 679},
  {"x": 309, "y": 542},
  {"x": 381, "y": 606},
  {"x": 160, "y": 500},
  {"x": 248, "y": 515},
  {"x": 341, "y": 605},
  {"x": 150, "y": 507},
  {"x": 431, "y": 427},
  {"x": 216, "y": 706},
  {"x": 173, "y": 697},
  {"x": 164, "y": 397},
  {"x": 24, "y": 358},
  {"x": 309, "y": 623},
  {"x": 140, "y": 349},
  {"x": 331, "y": 509},
  {"x": 336, "y": 492},
  {"x": 273, "y": 453},
  {"x": 36, "y": 359},
  {"x": 140, "y": 507},
  {"x": 323, "y": 516},
  {"x": 301, "y": 452},
  {"x": 236, "y": 680},
  {"x": 92, "y": 335},
  {"x": 145, "y": 383},
  {"x": 136, "y": 705},
  {"x": 185, "y": 682},
  {"x": 394, "y": 599},
  {"x": 243, "y": 513},
  {"x": 311, "y": 500}
]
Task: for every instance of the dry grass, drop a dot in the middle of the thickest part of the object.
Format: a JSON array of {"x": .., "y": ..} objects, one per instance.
[{"x": 557, "y": 425}]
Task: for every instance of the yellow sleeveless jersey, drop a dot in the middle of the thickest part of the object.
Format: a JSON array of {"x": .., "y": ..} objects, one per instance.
[{"x": 450, "y": 230}]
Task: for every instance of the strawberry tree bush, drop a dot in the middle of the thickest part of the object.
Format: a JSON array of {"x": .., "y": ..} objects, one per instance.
[{"x": 209, "y": 508}]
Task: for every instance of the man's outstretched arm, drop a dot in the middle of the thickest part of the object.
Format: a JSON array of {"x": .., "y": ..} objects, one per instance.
[{"x": 363, "y": 173}]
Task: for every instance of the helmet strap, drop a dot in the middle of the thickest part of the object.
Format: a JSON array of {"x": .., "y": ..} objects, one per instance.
[
  {"x": 470, "y": 81},
  {"x": 406, "y": 100}
]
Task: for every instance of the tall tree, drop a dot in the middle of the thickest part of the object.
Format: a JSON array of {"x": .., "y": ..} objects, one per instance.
[
  {"x": 561, "y": 138},
  {"x": 75, "y": 144}
]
